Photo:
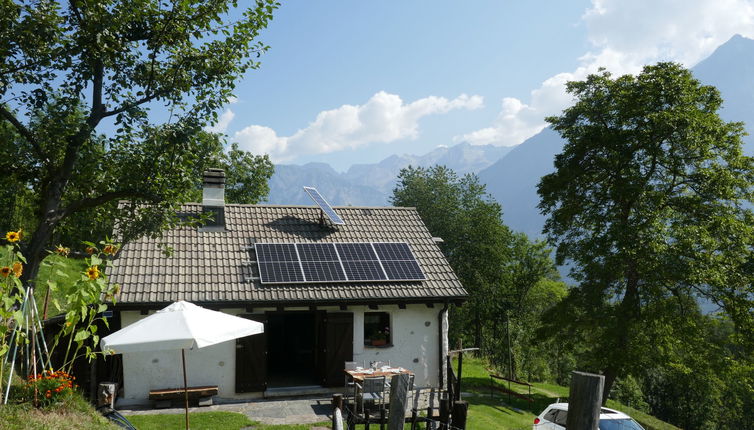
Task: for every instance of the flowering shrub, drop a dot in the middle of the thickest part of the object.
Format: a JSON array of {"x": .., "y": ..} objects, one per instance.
[
  {"x": 84, "y": 298},
  {"x": 51, "y": 387}
]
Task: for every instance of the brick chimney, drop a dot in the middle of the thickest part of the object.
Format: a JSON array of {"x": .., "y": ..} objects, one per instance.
[{"x": 213, "y": 199}]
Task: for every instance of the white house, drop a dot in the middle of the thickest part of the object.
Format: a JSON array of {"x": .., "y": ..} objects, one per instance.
[{"x": 376, "y": 288}]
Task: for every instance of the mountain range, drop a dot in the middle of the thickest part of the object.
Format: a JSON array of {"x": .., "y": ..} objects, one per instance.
[
  {"x": 511, "y": 174},
  {"x": 372, "y": 184}
]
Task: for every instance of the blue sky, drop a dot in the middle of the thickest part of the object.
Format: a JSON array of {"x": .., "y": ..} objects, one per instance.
[{"x": 355, "y": 81}]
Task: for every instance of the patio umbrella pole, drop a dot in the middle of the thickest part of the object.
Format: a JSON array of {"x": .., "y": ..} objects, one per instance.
[{"x": 185, "y": 385}]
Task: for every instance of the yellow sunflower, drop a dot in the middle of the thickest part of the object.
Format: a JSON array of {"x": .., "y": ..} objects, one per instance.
[
  {"x": 90, "y": 250},
  {"x": 110, "y": 249},
  {"x": 92, "y": 272},
  {"x": 13, "y": 236},
  {"x": 5, "y": 271},
  {"x": 18, "y": 269},
  {"x": 62, "y": 250}
]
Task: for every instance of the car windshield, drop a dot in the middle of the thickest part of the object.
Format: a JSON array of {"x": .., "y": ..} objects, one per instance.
[{"x": 625, "y": 424}]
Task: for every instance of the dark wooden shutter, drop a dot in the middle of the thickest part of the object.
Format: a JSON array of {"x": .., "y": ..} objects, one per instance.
[
  {"x": 251, "y": 359},
  {"x": 338, "y": 346}
]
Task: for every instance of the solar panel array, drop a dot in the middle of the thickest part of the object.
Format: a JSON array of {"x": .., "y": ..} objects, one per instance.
[
  {"x": 285, "y": 263},
  {"x": 322, "y": 203}
]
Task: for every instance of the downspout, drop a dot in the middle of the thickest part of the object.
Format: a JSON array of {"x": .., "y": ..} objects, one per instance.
[{"x": 442, "y": 320}]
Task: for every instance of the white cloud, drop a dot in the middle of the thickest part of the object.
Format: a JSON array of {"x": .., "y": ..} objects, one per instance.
[
  {"x": 625, "y": 35},
  {"x": 222, "y": 123},
  {"x": 383, "y": 118}
]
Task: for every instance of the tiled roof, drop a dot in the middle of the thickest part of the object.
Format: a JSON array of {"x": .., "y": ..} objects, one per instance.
[{"x": 213, "y": 267}]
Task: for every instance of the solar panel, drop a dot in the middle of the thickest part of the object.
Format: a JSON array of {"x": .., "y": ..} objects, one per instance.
[
  {"x": 356, "y": 251},
  {"x": 278, "y": 263},
  {"x": 322, "y": 203},
  {"x": 317, "y": 252},
  {"x": 323, "y": 271},
  {"x": 403, "y": 270},
  {"x": 320, "y": 262},
  {"x": 336, "y": 262},
  {"x": 280, "y": 272},
  {"x": 364, "y": 271},
  {"x": 393, "y": 251},
  {"x": 276, "y": 252},
  {"x": 398, "y": 261}
]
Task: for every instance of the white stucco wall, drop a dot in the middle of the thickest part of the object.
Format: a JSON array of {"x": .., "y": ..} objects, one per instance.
[{"x": 415, "y": 346}]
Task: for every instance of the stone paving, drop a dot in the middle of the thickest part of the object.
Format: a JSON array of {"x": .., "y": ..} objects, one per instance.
[{"x": 278, "y": 411}]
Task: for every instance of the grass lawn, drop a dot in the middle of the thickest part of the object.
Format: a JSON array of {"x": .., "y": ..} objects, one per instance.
[
  {"x": 498, "y": 412},
  {"x": 197, "y": 420},
  {"x": 74, "y": 414}
]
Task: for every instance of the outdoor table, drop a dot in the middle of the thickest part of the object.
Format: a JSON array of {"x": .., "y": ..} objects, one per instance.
[{"x": 359, "y": 374}]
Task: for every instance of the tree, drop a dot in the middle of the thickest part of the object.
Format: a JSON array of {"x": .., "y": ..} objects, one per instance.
[
  {"x": 649, "y": 202},
  {"x": 246, "y": 175},
  {"x": 78, "y": 83},
  {"x": 475, "y": 241}
]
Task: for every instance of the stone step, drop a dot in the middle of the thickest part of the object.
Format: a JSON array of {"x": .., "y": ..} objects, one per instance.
[{"x": 306, "y": 390}]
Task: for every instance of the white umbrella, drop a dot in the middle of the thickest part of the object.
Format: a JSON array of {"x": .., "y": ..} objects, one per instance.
[{"x": 182, "y": 325}]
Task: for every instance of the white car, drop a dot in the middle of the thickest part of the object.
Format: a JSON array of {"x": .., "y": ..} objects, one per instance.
[{"x": 554, "y": 418}]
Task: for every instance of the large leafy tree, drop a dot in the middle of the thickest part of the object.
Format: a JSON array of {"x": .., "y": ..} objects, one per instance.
[
  {"x": 103, "y": 100},
  {"x": 649, "y": 203},
  {"x": 475, "y": 241}
]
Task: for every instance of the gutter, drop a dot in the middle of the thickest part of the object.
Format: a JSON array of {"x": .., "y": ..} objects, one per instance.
[{"x": 443, "y": 347}]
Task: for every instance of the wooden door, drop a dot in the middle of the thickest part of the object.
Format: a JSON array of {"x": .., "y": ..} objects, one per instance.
[
  {"x": 337, "y": 346},
  {"x": 251, "y": 359}
]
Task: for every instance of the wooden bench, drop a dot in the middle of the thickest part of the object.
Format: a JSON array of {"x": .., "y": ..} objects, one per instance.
[{"x": 164, "y": 397}]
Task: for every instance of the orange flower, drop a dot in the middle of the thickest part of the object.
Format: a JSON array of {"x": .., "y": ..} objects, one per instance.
[
  {"x": 5, "y": 271},
  {"x": 90, "y": 250},
  {"x": 92, "y": 272},
  {"x": 13, "y": 236},
  {"x": 18, "y": 269}
]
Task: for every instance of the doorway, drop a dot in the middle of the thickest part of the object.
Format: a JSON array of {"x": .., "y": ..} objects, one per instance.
[{"x": 291, "y": 349}]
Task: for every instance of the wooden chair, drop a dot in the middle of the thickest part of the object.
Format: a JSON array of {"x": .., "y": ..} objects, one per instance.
[{"x": 349, "y": 385}]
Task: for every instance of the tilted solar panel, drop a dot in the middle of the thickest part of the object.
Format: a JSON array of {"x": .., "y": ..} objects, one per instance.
[{"x": 322, "y": 203}]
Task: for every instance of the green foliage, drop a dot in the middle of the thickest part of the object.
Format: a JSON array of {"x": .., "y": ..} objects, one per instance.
[
  {"x": 505, "y": 273},
  {"x": 648, "y": 204},
  {"x": 246, "y": 175},
  {"x": 474, "y": 240},
  {"x": 78, "y": 134}
]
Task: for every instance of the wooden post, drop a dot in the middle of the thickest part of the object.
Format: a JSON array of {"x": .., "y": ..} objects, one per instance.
[
  {"x": 337, "y": 407},
  {"x": 445, "y": 410},
  {"x": 398, "y": 401},
  {"x": 459, "y": 376},
  {"x": 460, "y": 411},
  {"x": 430, "y": 410},
  {"x": 366, "y": 419},
  {"x": 585, "y": 401}
]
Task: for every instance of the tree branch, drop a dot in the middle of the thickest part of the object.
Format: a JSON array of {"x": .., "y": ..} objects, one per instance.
[
  {"x": 23, "y": 131},
  {"x": 104, "y": 198},
  {"x": 138, "y": 102}
]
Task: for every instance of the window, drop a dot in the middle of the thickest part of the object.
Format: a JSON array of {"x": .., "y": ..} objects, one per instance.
[{"x": 377, "y": 329}]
